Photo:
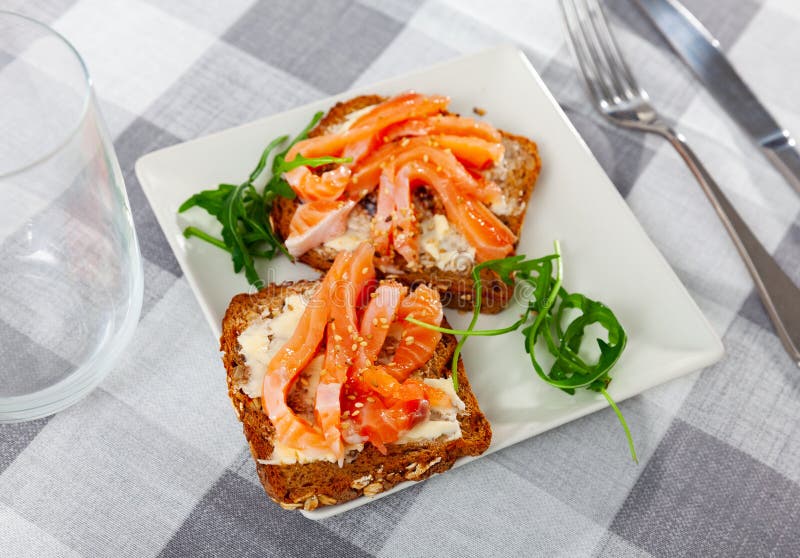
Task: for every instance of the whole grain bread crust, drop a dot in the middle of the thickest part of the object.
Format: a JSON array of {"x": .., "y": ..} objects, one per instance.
[
  {"x": 367, "y": 472},
  {"x": 456, "y": 289}
]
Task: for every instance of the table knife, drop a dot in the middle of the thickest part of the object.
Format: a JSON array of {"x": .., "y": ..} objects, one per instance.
[{"x": 701, "y": 52}]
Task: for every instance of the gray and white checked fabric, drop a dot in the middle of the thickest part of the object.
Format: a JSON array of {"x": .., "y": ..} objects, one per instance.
[{"x": 153, "y": 462}]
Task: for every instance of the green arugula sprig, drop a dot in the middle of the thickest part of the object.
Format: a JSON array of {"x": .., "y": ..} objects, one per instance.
[
  {"x": 549, "y": 302},
  {"x": 244, "y": 212}
]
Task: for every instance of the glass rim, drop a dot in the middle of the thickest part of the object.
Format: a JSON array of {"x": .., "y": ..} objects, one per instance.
[{"x": 87, "y": 97}]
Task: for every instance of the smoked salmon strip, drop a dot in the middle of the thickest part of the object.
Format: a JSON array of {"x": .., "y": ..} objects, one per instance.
[
  {"x": 367, "y": 175},
  {"x": 443, "y": 124},
  {"x": 490, "y": 237},
  {"x": 315, "y": 222},
  {"x": 311, "y": 187}
]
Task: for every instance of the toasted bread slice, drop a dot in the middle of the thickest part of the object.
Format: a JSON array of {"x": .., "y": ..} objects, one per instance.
[
  {"x": 516, "y": 175},
  {"x": 367, "y": 472}
]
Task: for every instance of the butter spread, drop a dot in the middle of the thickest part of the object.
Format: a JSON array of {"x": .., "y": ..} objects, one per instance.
[
  {"x": 443, "y": 421},
  {"x": 445, "y": 246},
  {"x": 350, "y": 118},
  {"x": 284, "y": 455},
  {"x": 358, "y": 230},
  {"x": 264, "y": 337},
  {"x": 506, "y": 206}
]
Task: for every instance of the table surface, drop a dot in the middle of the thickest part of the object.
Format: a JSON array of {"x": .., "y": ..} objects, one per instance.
[{"x": 153, "y": 462}]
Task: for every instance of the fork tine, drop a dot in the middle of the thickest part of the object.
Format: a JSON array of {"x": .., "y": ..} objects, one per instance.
[
  {"x": 608, "y": 43},
  {"x": 598, "y": 53},
  {"x": 591, "y": 75}
]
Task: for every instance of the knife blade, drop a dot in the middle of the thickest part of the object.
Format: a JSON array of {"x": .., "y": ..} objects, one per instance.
[{"x": 700, "y": 51}]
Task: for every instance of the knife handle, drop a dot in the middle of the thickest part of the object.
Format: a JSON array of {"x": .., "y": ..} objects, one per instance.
[
  {"x": 781, "y": 151},
  {"x": 778, "y": 293}
]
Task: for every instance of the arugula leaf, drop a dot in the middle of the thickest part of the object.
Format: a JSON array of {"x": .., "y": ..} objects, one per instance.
[
  {"x": 210, "y": 200},
  {"x": 262, "y": 162},
  {"x": 189, "y": 232},
  {"x": 281, "y": 157},
  {"x": 300, "y": 161},
  {"x": 549, "y": 302},
  {"x": 244, "y": 211}
]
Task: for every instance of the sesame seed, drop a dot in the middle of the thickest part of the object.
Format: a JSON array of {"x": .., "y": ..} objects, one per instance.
[
  {"x": 365, "y": 270},
  {"x": 351, "y": 397},
  {"x": 337, "y": 337},
  {"x": 359, "y": 404},
  {"x": 355, "y": 413},
  {"x": 354, "y": 347},
  {"x": 404, "y": 142},
  {"x": 375, "y": 321},
  {"x": 363, "y": 343},
  {"x": 345, "y": 414},
  {"x": 425, "y": 157},
  {"x": 384, "y": 321},
  {"x": 409, "y": 340},
  {"x": 371, "y": 399}
]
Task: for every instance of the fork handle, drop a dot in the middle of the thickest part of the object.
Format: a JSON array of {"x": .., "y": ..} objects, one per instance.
[{"x": 778, "y": 293}]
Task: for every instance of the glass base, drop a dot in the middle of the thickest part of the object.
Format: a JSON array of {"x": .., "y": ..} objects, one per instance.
[{"x": 59, "y": 393}]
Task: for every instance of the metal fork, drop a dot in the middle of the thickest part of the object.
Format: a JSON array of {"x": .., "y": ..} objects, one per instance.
[{"x": 617, "y": 96}]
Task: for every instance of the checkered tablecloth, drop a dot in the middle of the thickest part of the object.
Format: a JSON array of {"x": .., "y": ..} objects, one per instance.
[{"x": 153, "y": 462}]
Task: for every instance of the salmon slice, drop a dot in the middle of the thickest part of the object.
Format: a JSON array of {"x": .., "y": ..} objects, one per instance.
[
  {"x": 417, "y": 343},
  {"x": 490, "y": 237},
  {"x": 343, "y": 341},
  {"x": 394, "y": 222},
  {"x": 405, "y": 229},
  {"x": 383, "y": 404},
  {"x": 316, "y": 222},
  {"x": 311, "y": 187},
  {"x": 327, "y": 144},
  {"x": 398, "y": 407},
  {"x": 367, "y": 175},
  {"x": 378, "y": 315},
  {"x": 402, "y": 107},
  {"x": 343, "y": 338},
  {"x": 382, "y": 221},
  {"x": 381, "y": 423},
  {"x": 393, "y": 391},
  {"x": 443, "y": 124},
  {"x": 369, "y": 126},
  {"x": 290, "y": 430},
  {"x": 475, "y": 152}
]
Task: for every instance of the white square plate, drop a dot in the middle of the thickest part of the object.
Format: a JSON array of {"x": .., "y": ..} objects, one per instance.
[{"x": 606, "y": 253}]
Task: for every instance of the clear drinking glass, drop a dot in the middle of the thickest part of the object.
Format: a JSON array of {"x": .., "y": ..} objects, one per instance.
[{"x": 70, "y": 269}]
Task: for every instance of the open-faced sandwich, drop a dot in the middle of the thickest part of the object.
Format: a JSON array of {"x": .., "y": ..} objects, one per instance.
[
  {"x": 339, "y": 395},
  {"x": 434, "y": 192}
]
